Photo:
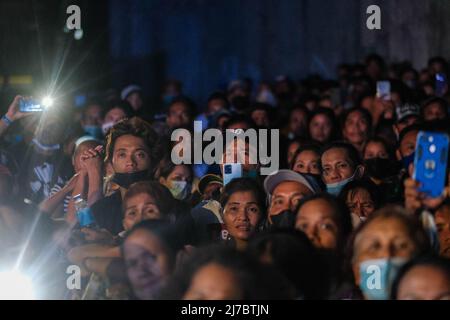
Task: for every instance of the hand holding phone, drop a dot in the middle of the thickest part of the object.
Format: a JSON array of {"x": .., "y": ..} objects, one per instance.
[{"x": 430, "y": 162}]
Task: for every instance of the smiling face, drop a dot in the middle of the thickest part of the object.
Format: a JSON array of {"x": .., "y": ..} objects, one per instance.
[
  {"x": 130, "y": 154},
  {"x": 241, "y": 215}
]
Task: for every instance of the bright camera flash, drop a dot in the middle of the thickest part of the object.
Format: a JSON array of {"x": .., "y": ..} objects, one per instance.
[
  {"x": 47, "y": 102},
  {"x": 15, "y": 286}
]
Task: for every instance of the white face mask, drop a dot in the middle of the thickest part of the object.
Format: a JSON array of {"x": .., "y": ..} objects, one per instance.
[
  {"x": 106, "y": 126},
  {"x": 180, "y": 189}
]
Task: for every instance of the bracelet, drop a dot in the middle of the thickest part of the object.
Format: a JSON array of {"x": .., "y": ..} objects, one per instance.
[{"x": 7, "y": 120}]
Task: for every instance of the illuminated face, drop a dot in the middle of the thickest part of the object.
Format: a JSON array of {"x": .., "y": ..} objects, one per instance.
[
  {"x": 424, "y": 283},
  {"x": 241, "y": 215},
  {"x": 316, "y": 219},
  {"x": 130, "y": 154},
  {"x": 148, "y": 263},
  {"x": 336, "y": 166},
  {"x": 307, "y": 161},
  {"x": 287, "y": 196},
  {"x": 382, "y": 238},
  {"x": 138, "y": 208}
]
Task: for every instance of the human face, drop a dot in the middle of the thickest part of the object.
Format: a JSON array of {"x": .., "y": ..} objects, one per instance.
[
  {"x": 307, "y": 162},
  {"x": 216, "y": 105},
  {"x": 442, "y": 219},
  {"x": 320, "y": 128},
  {"x": 241, "y": 215},
  {"x": 424, "y": 283},
  {"x": 138, "y": 208},
  {"x": 382, "y": 238},
  {"x": 408, "y": 144},
  {"x": 360, "y": 203},
  {"x": 336, "y": 166},
  {"x": 93, "y": 116},
  {"x": 178, "y": 115},
  {"x": 261, "y": 118},
  {"x": 375, "y": 150},
  {"x": 114, "y": 115},
  {"x": 297, "y": 122},
  {"x": 398, "y": 127},
  {"x": 293, "y": 147},
  {"x": 317, "y": 220},
  {"x": 148, "y": 263},
  {"x": 179, "y": 173},
  {"x": 434, "y": 111},
  {"x": 286, "y": 196},
  {"x": 356, "y": 128},
  {"x": 241, "y": 152},
  {"x": 214, "y": 282},
  {"x": 135, "y": 100},
  {"x": 130, "y": 154}
]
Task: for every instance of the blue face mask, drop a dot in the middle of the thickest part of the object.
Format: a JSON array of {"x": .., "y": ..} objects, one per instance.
[
  {"x": 406, "y": 161},
  {"x": 377, "y": 276},
  {"x": 94, "y": 131},
  {"x": 335, "y": 188},
  {"x": 168, "y": 98}
]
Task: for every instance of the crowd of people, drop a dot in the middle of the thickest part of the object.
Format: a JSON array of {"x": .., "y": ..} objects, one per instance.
[{"x": 95, "y": 186}]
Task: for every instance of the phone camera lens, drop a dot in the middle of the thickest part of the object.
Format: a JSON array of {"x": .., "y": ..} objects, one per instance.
[{"x": 432, "y": 148}]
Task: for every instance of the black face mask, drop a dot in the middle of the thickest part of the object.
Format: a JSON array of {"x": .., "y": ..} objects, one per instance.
[
  {"x": 125, "y": 180},
  {"x": 285, "y": 219},
  {"x": 380, "y": 168}
]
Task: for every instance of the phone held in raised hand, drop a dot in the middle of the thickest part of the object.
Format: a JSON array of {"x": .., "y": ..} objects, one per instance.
[
  {"x": 430, "y": 162},
  {"x": 231, "y": 171},
  {"x": 30, "y": 105},
  {"x": 384, "y": 90},
  {"x": 440, "y": 84}
]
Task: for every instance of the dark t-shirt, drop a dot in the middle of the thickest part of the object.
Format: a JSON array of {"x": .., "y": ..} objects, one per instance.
[{"x": 108, "y": 213}]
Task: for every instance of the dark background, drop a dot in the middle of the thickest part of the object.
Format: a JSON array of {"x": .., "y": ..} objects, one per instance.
[{"x": 207, "y": 43}]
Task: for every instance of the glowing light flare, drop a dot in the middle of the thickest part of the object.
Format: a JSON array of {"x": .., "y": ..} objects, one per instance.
[{"x": 15, "y": 286}]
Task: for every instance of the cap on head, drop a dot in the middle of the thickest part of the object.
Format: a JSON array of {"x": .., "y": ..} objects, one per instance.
[
  {"x": 273, "y": 180},
  {"x": 129, "y": 90}
]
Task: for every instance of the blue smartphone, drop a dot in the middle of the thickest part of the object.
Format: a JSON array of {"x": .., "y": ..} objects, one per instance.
[
  {"x": 231, "y": 171},
  {"x": 384, "y": 90},
  {"x": 440, "y": 84},
  {"x": 430, "y": 162},
  {"x": 30, "y": 105}
]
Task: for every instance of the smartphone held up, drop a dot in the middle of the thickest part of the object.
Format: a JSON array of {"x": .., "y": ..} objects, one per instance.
[{"x": 430, "y": 162}]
